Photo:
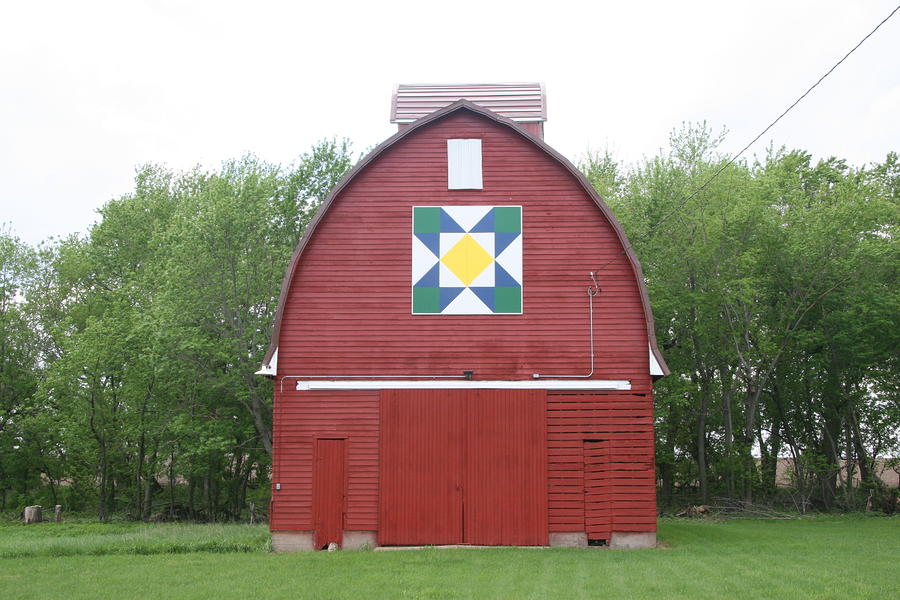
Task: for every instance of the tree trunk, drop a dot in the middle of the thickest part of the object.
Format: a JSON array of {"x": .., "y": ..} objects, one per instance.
[
  {"x": 139, "y": 509},
  {"x": 769, "y": 460},
  {"x": 701, "y": 440},
  {"x": 751, "y": 404},
  {"x": 172, "y": 485},
  {"x": 865, "y": 471},
  {"x": 729, "y": 443},
  {"x": 148, "y": 499},
  {"x": 102, "y": 508},
  {"x": 192, "y": 487},
  {"x": 33, "y": 514},
  {"x": 849, "y": 468},
  {"x": 258, "y": 411},
  {"x": 151, "y": 487},
  {"x": 207, "y": 498}
]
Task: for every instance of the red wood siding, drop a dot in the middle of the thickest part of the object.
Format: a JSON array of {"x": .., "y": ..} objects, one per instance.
[
  {"x": 301, "y": 418},
  {"x": 328, "y": 491},
  {"x": 623, "y": 424},
  {"x": 347, "y": 313},
  {"x": 598, "y": 487},
  {"x": 348, "y": 310},
  {"x": 463, "y": 467}
]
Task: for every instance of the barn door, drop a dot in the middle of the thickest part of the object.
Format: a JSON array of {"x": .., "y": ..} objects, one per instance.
[
  {"x": 422, "y": 436},
  {"x": 506, "y": 468},
  {"x": 328, "y": 491},
  {"x": 597, "y": 490},
  {"x": 463, "y": 466}
]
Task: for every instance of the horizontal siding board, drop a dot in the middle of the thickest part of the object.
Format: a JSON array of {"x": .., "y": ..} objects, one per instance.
[
  {"x": 619, "y": 494},
  {"x": 300, "y": 417}
]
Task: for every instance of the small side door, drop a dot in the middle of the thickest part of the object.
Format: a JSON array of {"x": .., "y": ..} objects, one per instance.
[{"x": 329, "y": 484}]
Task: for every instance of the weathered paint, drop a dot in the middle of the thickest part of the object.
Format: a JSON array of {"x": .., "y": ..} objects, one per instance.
[
  {"x": 506, "y": 468},
  {"x": 463, "y": 467},
  {"x": 613, "y": 432},
  {"x": 346, "y": 313},
  {"x": 422, "y": 467},
  {"x": 597, "y": 490},
  {"x": 461, "y": 109},
  {"x": 350, "y": 291},
  {"x": 328, "y": 491},
  {"x": 300, "y": 419}
]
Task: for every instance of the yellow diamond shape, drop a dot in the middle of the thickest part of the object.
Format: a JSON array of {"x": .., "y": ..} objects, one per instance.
[{"x": 467, "y": 259}]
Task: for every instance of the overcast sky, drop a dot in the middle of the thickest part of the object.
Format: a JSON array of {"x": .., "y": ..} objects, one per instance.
[{"x": 89, "y": 90}]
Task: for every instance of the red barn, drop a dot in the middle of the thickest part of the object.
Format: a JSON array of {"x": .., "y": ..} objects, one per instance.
[{"x": 463, "y": 351}]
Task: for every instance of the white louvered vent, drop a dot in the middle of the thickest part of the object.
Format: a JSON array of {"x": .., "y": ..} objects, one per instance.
[{"x": 464, "y": 165}]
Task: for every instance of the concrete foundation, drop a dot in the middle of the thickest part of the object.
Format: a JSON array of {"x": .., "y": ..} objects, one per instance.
[
  {"x": 293, "y": 541},
  {"x": 569, "y": 539},
  {"x": 303, "y": 541},
  {"x": 357, "y": 540},
  {"x": 630, "y": 540}
]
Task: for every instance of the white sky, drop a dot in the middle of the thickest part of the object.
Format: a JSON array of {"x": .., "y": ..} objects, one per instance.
[{"x": 91, "y": 89}]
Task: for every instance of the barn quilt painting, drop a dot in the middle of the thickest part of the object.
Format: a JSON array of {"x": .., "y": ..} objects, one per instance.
[{"x": 467, "y": 260}]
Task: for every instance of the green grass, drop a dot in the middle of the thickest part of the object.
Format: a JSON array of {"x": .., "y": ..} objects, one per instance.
[
  {"x": 93, "y": 539},
  {"x": 849, "y": 557}
]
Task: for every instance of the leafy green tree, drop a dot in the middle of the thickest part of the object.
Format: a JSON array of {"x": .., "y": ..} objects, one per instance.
[
  {"x": 18, "y": 364},
  {"x": 767, "y": 282},
  {"x": 153, "y": 325}
]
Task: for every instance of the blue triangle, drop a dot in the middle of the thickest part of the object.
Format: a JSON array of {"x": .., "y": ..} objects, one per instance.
[
  {"x": 432, "y": 241},
  {"x": 486, "y": 295},
  {"x": 502, "y": 278},
  {"x": 448, "y": 295},
  {"x": 431, "y": 278},
  {"x": 502, "y": 240},
  {"x": 486, "y": 224},
  {"x": 448, "y": 225}
]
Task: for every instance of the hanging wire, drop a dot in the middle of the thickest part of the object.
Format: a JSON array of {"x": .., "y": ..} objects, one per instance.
[{"x": 731, "y": 161}]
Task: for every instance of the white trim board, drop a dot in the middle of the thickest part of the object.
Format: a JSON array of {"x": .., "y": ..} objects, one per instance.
[
  {"x": 271, "y": 368},
  {"x": 399, "y": 384},
  {"x": 655, "y": 369}
]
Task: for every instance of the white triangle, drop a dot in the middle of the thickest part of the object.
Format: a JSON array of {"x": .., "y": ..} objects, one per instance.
[
  {"x": 485, "y": 240},
  {"x": 446, "y": 278},
  {"x": 467, "y": 303},
  {"x": 511, "y": 259},
  {"x": 655, "y": 369},
  {"x": 423, "y": 259},
  {"x": 485, "y": 278},
  {"x": 447, "y": 241},
  {"x": 467, "y": 216}
]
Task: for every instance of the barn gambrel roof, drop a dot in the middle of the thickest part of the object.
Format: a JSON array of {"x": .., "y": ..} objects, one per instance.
[{"x": 655, "y": 354}]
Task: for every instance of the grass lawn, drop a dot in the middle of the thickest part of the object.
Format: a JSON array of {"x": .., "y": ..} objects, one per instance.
[
  {"x": 70, "y": 539},
  {"x": 840, "y": 557}
]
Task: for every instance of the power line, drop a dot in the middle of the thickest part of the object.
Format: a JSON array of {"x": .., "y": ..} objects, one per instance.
[{"x": 731, "y": 161}]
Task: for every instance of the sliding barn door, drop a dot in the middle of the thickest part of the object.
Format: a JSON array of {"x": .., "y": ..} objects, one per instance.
[
  {"x": 506, "y": 468},
  {"x": 463, "y": 467},
  {"x": 422, "y": 433}
]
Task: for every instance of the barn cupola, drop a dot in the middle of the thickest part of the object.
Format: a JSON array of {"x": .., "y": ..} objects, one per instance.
[{"x": 524, "y": 103}]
